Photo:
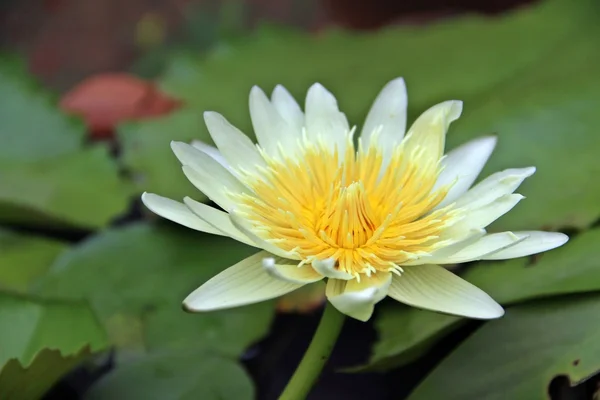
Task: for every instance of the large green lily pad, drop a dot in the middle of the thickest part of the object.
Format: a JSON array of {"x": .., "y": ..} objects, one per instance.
[
  {"x": 468, "y": 58},
  {"x": 405, "y": 333},
  {"x": 181, "y": 375},
  {"x": 47, "y": 175},
  {"x": 136, "y": 278},
  {"x": 30, "y": 126},
  {"x": 24, "y": 258},
  {"x": 517, "y": 356},
  {"x": 80, "y": 189},
  {"x": 41, "y": 341}
]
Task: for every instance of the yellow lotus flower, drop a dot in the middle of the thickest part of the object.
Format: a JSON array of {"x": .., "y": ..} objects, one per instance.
[{"x": 377, "y": 219}]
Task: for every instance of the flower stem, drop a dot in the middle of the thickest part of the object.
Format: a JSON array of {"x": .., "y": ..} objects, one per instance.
[{"x": 316, "y": 355}]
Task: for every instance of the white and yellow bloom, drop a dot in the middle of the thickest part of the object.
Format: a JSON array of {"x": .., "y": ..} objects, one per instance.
[{"x": 378, "y": 219}]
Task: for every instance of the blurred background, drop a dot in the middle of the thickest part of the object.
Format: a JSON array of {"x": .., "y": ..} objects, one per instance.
[{"x": 93, "y": 91}]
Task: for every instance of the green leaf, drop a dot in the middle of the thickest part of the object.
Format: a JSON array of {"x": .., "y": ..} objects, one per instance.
[
  {"x": 30, "y": 126},
  {"x": 543, "y": 119},
  {"x": 78, "y": 189},
  {"x": 406, "y": 333},
  {"x": 24, "y": 258},
  {"x": 457, "y": 58},
  {"x": 517, "y": 356},
  {"x": 43, "y": 341},
  {"x": 183, "y": 375},
  {"x": 46, "y": 175},
  {"x": 136, "y": 278},
  {"x": 148, "y": 153},
  {"x": 465, "y": 58},
  {"x": 32, "y": 382}
]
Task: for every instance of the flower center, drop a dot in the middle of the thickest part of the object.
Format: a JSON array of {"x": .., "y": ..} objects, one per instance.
[{"x": 368, "y": 210}]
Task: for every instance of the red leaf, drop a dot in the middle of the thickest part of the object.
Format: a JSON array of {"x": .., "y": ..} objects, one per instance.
[{"x": 106, "y": 100}]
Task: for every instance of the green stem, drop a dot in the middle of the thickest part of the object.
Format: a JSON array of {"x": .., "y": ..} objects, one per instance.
[{"x": 316, "y": 355}]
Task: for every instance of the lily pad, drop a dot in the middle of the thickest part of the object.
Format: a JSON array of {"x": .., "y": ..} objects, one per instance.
[
  {"x": 181, "y": 375},
  {"x": 32, "y": 128},
  {"x": 136, "y": 277},
  {"x": 543, "y": 118},
  {"x": 47, "y": 176},
  {"x": 24, "y": 258},
  {"x": 517, "y": 356},
  {"x": 81, "y": 189},
  {"x": 405, "y": 333},
  {"x": 466, "y": 58},
  {"x": 46, "y": 340}
]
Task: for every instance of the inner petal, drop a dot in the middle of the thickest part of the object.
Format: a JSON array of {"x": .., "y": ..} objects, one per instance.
[{"x": 368, "y": 217}]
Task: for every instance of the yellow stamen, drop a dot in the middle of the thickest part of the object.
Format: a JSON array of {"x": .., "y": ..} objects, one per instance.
[{"x": 367, "y": 212}]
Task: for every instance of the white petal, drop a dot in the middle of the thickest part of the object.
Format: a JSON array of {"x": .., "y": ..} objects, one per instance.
[
  {"x": 489, "y": 244},
  {"x": 388, "y": 113},
  {"x": 535, "y": 242},
  {"x": 428, "y": 132},
  {"x": 324, "y": 119},
  {"x": 286, "y": 270},
  {"x": 177, "y": 212},
  {"x": 236, "y": 147},
  {"x": 494, "y": 186},
  {"x": 327, "y": 268},
  {"x": 462, "y": 166},
  {"x": 357, "y": 299},
  {"x": 243, "y": 226},
  {"x": 432, "y": 287},
  {"x": 244, "y": 283},
  {"x": 269, "y": 126},
  {"x": 456, "y": 245},
  {"x": 207, "y": 174},
  {"x": 289, "y": 109},
  {"x": 217, "y": 219},
  {"x": 483, "y": 216},
  {"x": 212, "y": 151}
]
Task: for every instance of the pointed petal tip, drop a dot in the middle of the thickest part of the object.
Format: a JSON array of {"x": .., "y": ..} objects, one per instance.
[
  {"x": 211, "y": 116},
  {"x": 185, "y": 306},
  {"x": 492, "y": 312},
  {"x": 178, "y": 147},
  {"x": 256, "y": 91},
  {"x": 456, "y": 109},
  {"x": 398, "y": 84}
]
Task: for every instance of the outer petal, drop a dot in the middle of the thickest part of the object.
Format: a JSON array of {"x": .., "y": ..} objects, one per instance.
[
  {"x": 456, "y": 245},
  {"x": 244, "y": 283},
  {"x": 324, "y": 119},
  {"x": 236, "y": 147},
  {"x": 217, "y": 219},
  {"x": 462, "y": 166},
  {"x": 207, "y": 174},
  {"x": 483, "y": 216},
  {"x": 289, "y": 109},
  {"x": 357, "y": 299},
  {"x": 286, "y": 270},
  {"x": 327, "y": 268},
  {"x": 213, "y": 152},
  {"x": 535, "y": 242},
  {"x": 428, "y": 132},
  {"x": 494, "y": 186},
  {"x": 243, "y": 226},
  {"x": 489, "y": 244},
  {"x": 388, "y": 113},
  {"x": 177, "y": 212},
  {"x": 269, "y": 126},
  {"x": 432, "y": 287}
]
